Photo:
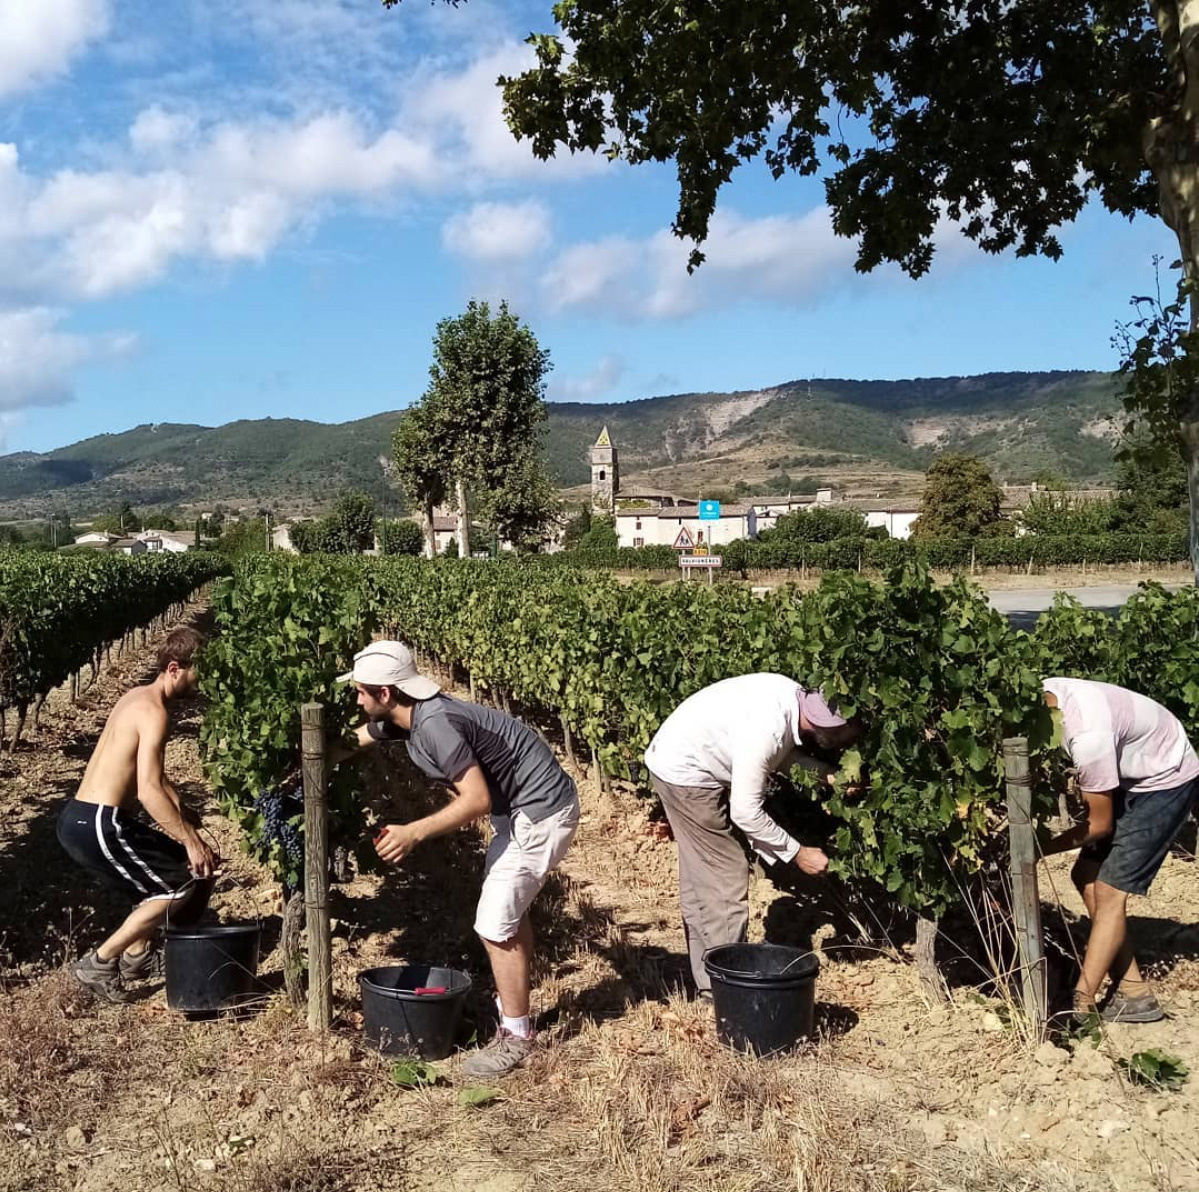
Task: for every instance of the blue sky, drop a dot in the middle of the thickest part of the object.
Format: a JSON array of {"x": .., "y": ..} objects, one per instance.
[{"x": 221, "y": 209}]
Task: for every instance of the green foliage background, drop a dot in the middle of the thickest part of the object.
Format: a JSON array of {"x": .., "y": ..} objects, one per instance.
[{"x": 940, "y": 677}]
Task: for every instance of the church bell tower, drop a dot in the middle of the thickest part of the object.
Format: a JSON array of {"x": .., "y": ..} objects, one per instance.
[{"x": 605, "y": 475}]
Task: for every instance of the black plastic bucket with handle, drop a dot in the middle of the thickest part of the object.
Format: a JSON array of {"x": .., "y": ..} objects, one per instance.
[
  {"x": 413, "y": 1009},
  {"x": 764, "y": 995},
  {"x": 211, "y": 969}
]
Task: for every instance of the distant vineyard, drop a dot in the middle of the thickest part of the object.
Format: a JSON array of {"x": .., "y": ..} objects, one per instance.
[
  {"x": 1027, "y": 552},
  {"x": 59, "y": 613}
]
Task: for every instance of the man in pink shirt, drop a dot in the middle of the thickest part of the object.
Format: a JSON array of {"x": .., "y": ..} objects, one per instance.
[{"x": 1138, "y": 776}]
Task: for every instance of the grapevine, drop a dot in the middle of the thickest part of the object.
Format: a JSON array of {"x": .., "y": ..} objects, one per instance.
[{"x": 940, "y": 677}]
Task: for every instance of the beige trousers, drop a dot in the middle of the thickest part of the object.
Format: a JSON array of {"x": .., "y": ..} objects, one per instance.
[{"x": 713, "y": 871}]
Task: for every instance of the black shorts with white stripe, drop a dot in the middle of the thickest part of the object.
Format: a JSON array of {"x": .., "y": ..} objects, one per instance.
[{"x": 124, "y": 853}]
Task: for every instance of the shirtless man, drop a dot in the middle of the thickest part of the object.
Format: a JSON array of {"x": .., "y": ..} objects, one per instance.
[{"x": 168, "y": 873}]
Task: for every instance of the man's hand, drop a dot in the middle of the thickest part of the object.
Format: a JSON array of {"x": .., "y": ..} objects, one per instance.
[
  {"x": 201, "y": 860},
  {"x": 395, "y": 842},
  {"x": 812, "y": 861}
]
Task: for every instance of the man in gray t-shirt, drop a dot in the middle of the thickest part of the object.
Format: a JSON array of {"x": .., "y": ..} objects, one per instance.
[{"x": 496, "y": 766}]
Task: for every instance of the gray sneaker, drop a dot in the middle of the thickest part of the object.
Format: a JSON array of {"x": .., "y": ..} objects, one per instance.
[
  {"x": 100, "y": 977},
  {"x": 504, "y": 1053},
  {"x": 1145, "y": 1008},
  {"x": 144, "y": 964}
]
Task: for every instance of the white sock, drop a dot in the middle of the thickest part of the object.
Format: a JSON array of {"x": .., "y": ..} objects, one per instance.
[{"x": 514, "y": 1026}]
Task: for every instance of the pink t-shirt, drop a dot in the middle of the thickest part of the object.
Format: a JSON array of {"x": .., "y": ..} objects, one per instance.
[{"x": 1119, "y": 739}]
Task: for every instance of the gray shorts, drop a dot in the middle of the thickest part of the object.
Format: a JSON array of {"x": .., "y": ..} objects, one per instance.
[{"x": 1146, "y": 824}]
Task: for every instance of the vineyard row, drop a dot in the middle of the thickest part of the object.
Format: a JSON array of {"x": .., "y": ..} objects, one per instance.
[
  {"x": 940, "y": 676},
  {"x": 58, "y": 613},
  {"x": 1027, "y": 552}
]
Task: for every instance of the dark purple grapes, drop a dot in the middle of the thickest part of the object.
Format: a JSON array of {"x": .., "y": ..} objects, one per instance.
[{"x": 279, "y": 807}]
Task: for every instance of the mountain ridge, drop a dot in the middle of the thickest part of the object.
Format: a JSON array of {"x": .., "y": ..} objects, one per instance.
[{"x": 872, "y": 434}]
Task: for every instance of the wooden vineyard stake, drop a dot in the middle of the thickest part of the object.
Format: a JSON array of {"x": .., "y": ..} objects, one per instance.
[
  {"x": 1026, "y": 902},
  {"x": 316, "y": 868}
]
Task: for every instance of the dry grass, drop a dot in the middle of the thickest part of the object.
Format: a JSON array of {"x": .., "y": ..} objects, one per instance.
[
  {"x": 51, "y": 1071},
  {"x": 653, "y": 1103}
]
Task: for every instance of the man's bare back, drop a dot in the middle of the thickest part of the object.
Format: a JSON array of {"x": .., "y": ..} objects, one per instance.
[
  {"x": 138, "y": 720},
  {"x": 166, "y": 868}
]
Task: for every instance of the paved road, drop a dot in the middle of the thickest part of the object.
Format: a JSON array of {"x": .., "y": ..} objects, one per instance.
[{"x": 1023, "y": 606}]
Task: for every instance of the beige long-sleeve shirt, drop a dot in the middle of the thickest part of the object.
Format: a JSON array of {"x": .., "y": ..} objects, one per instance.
[{"x": 735, "y": 735}]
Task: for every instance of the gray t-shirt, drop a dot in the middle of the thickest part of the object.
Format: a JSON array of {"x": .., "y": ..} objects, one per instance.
[{"x": 449, "y": 736}]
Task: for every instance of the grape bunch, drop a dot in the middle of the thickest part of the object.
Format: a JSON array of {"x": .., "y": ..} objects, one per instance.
[{"x": 278, "y": 807}]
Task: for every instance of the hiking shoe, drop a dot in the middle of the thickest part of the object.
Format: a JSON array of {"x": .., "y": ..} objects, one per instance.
[
  {"x": 504, "y": 1053},
  {"x": 100, "y": 977},
  {"x": 144, "y": 964},
  {"x": 1145, "y": 1008}
]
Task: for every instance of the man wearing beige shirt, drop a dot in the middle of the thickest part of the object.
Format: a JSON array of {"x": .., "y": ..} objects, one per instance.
[{"x": 711, "y": 763}]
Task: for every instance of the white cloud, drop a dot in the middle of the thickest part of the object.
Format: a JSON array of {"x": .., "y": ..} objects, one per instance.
[
  {"x": 38, "y": 38},
  {"x": 38, "y": 360},
  {"x": 494, "y": 232},
  {"x": 231, "y": 192},
  {"x": 178, "y": 186},
  {"x": 791, "y": 259},
  {"x": 192, "y": 178},
  {"x": 597, "y": 383},
  {"x": 463, "y": 109},
  {"x": 157, "y": 131}
]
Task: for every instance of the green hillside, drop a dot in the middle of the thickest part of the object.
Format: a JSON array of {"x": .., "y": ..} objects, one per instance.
[{"x": 1025, "y": 424}]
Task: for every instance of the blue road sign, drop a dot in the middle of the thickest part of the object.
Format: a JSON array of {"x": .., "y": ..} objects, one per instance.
[{"x": 709, "y": 511}]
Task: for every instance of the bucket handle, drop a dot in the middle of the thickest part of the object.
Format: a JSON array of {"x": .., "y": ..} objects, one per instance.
[{"x": 761, "y": 976}]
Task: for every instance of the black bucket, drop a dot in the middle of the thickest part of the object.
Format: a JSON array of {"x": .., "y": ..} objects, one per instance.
[
  {"x": 764, "y": 995},
  {"x": 413, "y": 1009},
  {"x": 210, "y": 969}
]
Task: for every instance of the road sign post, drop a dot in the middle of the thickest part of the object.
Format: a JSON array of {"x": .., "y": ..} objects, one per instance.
[{"x": 708, "y": 563}]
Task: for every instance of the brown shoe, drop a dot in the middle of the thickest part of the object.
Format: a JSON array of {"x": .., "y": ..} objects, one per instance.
[
  {"x": 100, "y": 977},
  {"x": 503, "y": 1054},
  {"x": 144, "y": 964},
  {"x": 1145, "y": 1008}
]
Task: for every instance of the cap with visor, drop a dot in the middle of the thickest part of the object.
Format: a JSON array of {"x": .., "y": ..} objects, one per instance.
[{"x": 390, "y": 664}]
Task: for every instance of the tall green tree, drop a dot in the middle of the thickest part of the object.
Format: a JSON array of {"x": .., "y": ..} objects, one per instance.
[
  {"x": 486, "y": 407},
  {"x": 1006, "y": 116},
  {"x": 524, "y": 508},
  {"x": 421, "y": 465},
  {"x": 400, "y": 536},
  {"x": 960, "y": 499},
  {"x": 352, "y": 520}
]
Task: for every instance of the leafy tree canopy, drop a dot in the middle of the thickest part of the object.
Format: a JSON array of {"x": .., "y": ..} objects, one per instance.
[
  {"x": 601, "y": 535},
  {"x": 401, "y": 537},
  {"x": 819, "y": 524},
  {"x": 961, "y": 500}
]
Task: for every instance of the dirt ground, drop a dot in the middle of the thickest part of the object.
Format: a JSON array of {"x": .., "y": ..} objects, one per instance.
[{"x": 630, "y": 1090}]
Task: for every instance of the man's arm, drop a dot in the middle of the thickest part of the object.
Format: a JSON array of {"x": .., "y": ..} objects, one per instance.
[
  {"x": 472, "y": 802},
  {"x": 753, "y": 766},
  {"x": 161, "y": 800},
  {"x": 339, "y": 750},
  {"x": 1098, "y": 825}
]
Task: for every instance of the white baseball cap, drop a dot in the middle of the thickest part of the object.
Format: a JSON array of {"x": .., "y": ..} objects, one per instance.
[{"x": 390, "y": 664}]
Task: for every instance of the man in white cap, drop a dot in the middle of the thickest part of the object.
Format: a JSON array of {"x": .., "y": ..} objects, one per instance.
[
  {"x": 711, "y": 764},
  {"x": 496, "y": 766}
]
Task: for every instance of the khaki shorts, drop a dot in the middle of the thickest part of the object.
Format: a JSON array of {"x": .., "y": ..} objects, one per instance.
[{"x": 519, "y": 859}]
